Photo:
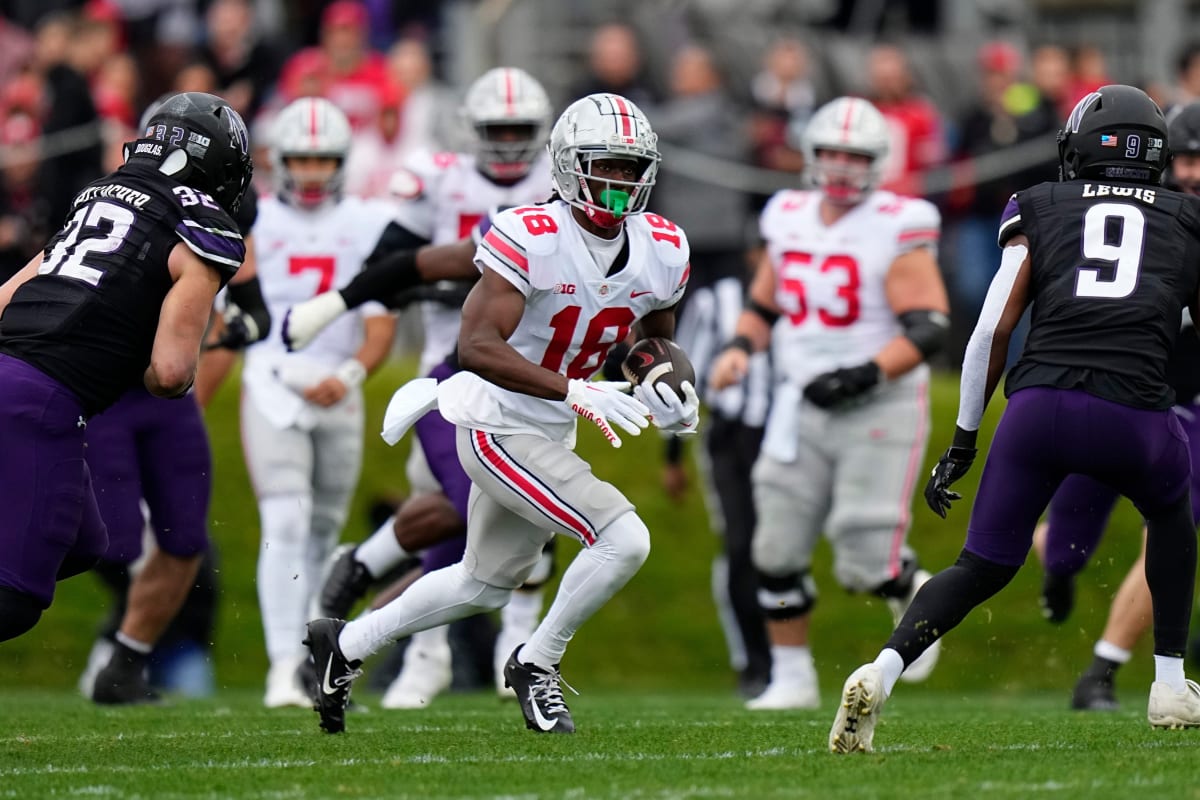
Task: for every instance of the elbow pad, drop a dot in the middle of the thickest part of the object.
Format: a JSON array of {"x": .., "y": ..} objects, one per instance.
[
  {"x": 248, "y": 297},
  {"x": 928, "y": 330}
]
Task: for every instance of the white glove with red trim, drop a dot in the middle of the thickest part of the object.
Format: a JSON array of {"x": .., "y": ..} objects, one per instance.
[
  {"x": 600, "y": 402},
  {"x": 668, "y": 412}
]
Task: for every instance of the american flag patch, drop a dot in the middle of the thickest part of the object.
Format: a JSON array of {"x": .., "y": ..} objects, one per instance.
[{"x": 1108, "y": 140}]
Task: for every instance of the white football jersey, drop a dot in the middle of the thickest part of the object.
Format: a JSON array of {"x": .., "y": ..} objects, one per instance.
[
  {"x": 829, "y": 279},
  {"x": 300, "y": 255},
  {"x": 442, "y": 198},
  {"x": 573, "y": 312}
]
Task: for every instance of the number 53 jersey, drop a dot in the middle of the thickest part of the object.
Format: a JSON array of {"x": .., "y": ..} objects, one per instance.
[
  {"x": 830, "y": 279},
  {"x": 1112, "y": 267},
  {"x": 574, "y": 311}
]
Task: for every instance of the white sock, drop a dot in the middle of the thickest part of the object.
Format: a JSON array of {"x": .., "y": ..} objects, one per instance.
[
  {"x": 437, "y": 598},
  {"x": 520, "y": 616},
  {"x": 890, "y": 662},
  {"x": 436, "y": 638},
  {"x": 283, "y": 582},
  {"x": 790, "y": 662},
  {"x": 380, "y": 552},
  {"x": 1169, "y": 670},
  {"x": 1109, "y": 651},
  {"x": 594, "y": 576},
  {"x": 145, "y": 648}
]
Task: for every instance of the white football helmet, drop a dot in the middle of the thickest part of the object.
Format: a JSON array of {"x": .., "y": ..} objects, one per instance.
[
  {"x": 508, "y": 113},
  {"x": 849, "y": 125},
  {"x": 310, "y": 126},
  {"x": 597, "y": 127}
]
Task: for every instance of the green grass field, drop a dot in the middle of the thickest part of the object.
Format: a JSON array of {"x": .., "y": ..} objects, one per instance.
[
  {"x": 660, "y": 746},
  {"x": 658, "y": 715}
]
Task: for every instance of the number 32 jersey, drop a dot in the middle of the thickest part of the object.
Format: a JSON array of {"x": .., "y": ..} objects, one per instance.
[
  {"x": 89, "y": 317},
  {"x": 1112, "y": 266},
  {"x": 573, "y": 314},
  {"x": 829, "y": 279}
]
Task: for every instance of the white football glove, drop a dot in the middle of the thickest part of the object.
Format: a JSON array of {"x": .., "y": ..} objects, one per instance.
[
  {"x": 303, "y": 321},
  {"x": 600, "y": 402},
  {"x": 668, "y": 413}
]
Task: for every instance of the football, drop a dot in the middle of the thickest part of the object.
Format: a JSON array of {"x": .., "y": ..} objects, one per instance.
[{"x": 655, "y": 360}]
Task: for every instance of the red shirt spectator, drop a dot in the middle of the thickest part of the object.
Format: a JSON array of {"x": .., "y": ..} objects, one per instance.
[
  {"x": 916, "y": 128},
  {"x": 355, "y": 77}
]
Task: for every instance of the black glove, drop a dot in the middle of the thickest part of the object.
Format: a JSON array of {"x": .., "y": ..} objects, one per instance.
[
  {"x": 610, "y": 370},
  {"x": 237, "y": 335},
  {"x": 832, "y": 389},
  {"x": 953, "y": 464}
]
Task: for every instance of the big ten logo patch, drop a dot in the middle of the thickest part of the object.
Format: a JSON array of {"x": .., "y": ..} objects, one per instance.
[{"x": 564, "y": 288}]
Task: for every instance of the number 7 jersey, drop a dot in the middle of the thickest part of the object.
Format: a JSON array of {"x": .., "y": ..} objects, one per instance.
[
  {"x": 1112, "y": 267},
  {"x": 574, "y": 312},
  {"x": 830, "y": 279}
]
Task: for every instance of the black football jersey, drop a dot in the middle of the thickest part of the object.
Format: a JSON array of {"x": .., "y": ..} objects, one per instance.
[
  {"x": 89, "y": 317},
  {"x": 1113, "y": 265}
]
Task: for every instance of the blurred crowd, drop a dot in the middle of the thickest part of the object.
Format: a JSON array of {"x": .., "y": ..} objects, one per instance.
[{"x": 75, "y": 76}]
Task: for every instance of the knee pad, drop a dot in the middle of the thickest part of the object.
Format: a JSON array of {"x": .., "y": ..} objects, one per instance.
[
  {"x": 786, "y": 596},
  {"x": 18, "y": 613},
  {"x": 483, "y": 596},
  {"x": 899, "y": 587},
  {"x": 626, "y": 538}
]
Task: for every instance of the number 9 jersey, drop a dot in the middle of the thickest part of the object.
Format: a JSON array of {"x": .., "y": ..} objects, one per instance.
[
  {"x": 574, "y": 312},
  {"x": 830, "y": 279},
  {"x": 1112, "y": 266},
  {"x": 89, "y": 317}
]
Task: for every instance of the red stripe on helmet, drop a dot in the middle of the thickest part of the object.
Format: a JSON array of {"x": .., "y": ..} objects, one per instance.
[
  {"x": 508, "y": 92},
  {"x": 626, "y": 116},
  {"x": 850, "y": 106},
  {"x": 312, "y": 122}
]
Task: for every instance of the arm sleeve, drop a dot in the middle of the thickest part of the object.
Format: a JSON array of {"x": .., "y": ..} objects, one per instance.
[{"x": 973, "y": 387}]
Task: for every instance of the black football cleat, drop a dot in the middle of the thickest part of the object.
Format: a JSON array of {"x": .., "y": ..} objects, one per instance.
[
  {"x": 345, "y": 583},
  {"x": 1058, "y": 597},
  {"x": 1094, "y": 693},
  {"x": 539, "y": 691},
  {"x": 122, "y": 683},
  {"x": 334, "y": 673}
]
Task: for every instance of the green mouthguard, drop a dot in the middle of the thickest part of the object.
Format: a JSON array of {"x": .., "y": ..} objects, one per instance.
[{"x": 615, "y": 201}]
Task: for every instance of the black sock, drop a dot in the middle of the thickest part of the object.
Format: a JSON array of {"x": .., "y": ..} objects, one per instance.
[
  {"x": 945, "y": 600},
  {"x": 1171, "y": 574},
  {"x": 1102, "y": 669}
]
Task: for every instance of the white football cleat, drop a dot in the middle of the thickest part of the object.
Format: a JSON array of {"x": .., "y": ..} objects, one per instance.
[
  {"x": 426, "y": 674},
  {"x": 284, "y": 689},
  {"x": 858, "y": 711},
  {"x": 1171, "y": 709},
  {"x": 922, "y": 668},
  {"x": 789, "y": 692}
]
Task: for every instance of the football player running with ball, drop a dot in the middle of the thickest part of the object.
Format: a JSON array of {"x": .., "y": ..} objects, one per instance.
[
  {"x": 850, "y": 300},
  {"x": 562, "y": 282},
  {"x": 1109, "y": 259}
]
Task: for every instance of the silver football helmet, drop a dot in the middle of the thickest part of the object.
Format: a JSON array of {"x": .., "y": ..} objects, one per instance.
[
  {"x": 848, "y": 125},
  {"x": 602, "y": 126},
  {"x": 508, "y": 113},
  {"x": 310, "y": 126}
]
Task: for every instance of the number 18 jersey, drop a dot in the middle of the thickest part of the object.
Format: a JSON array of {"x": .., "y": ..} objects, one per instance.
[
  {"x": 829, "y": 279},
  {"x": 574, "y": 312},
  {"x": 1112, "y": 265}
]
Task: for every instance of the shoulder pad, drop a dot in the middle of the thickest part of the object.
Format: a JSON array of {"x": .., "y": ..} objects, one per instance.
[
  {"x": 214, "y": 237},
  {"x": 536, "y": 227},
  {"x": 667, "y": 240}
]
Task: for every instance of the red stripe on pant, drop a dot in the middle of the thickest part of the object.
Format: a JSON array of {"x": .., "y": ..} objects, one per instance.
[{"x": 533, "y": 492}]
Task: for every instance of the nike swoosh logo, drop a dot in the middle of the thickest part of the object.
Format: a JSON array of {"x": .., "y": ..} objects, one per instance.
[
  {"x": 325, "y": 687},
  {"x": 639, "y": 294},
  {"x": 538, "y": 719}
]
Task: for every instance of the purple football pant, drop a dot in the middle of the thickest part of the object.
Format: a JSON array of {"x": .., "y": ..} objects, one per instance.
[
  {"x": 437, "y": 437},
  {"x": 1047, "y": 434},
  {"x": 147, "y": 447},
  {"x": 50, "y": 528},
  {"x": 1081, "y": 507}
]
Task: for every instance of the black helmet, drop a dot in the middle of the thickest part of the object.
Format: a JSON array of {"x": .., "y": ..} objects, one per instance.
[
  {"x": 1183, "y": 137},
  {"x": 1115, "y": 133},
  {"x": 200, "y": 141}
]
